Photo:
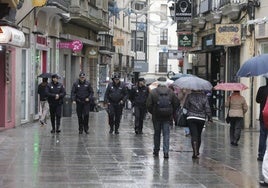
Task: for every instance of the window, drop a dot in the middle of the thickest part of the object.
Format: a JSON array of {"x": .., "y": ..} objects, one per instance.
[
  {"x": 163, "y": 36},
  {"x": 163, "y": 59},
  {"x": 139, "y": 5},
  {"x": 137, "y": 38}
]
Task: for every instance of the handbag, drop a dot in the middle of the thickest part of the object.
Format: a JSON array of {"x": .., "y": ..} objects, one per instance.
[
  {"x": 181, "y": 118},
  {"x": 227, "y": 119}
]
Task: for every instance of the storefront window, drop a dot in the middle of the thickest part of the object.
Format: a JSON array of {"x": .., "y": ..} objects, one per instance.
[{"x": 37, "y": 72}]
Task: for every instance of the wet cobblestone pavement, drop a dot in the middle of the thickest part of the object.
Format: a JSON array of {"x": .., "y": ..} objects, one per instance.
[{"x": 30, "y": 157}]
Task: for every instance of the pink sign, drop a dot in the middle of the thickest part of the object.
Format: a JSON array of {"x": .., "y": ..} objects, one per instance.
[{"x": 75, "y": 45}]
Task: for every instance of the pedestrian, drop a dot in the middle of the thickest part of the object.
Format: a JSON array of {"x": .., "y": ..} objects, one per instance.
[
  {"x": 138, "y": 96},
  {"x": 261, "y": 99},
  {"x": 82, "y": 94},
  {"x": 237, "y": 108},
  {"x": 161, "y": 103},
  {"x": 182, "y": 95},
  {"x": 115, "y": 98},
  {"x": 198, "y": 110},
  {"x": 55, "y": 92},
  {"x": 44, "y": 108}
]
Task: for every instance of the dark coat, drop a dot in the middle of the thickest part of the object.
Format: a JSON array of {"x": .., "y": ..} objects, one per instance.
[
  {"x": 115, "y": 93},
  {"x": 152, "y": 99},
  {"x": 81, "y": 91},
  {"x": 197, "y": 105},
  {"x": 42, "y": 91},
  {"x": 52, "y": 90},
  {"x": 138, "y": 95},
  {"x": 261, "y": 98}
]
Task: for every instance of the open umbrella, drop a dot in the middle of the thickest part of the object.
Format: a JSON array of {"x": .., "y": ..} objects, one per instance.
[
  {"x": 255, "y": 66},
  {"x": 230, "y": 86},
  {"x": 45, "y": 75},
  {"x": 193, "y": 83},
  {"x": 155, "y": 84},
  {"x": 180, "y": 75}
]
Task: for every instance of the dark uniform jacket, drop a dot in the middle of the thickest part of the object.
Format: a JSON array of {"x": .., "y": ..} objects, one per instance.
[
  {"x": 42, "y": 91},
  {"x": 138, "y": 95},
  {"x": 115, "y": 93},
  {"x": 52, "y": 90},
  {"x": 153, "y": 98},
  {"x": 81, "y": 91}
]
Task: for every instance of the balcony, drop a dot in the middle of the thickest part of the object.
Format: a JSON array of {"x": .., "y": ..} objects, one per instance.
[
  {"x": 57, "y": 6},
  {"x": 106, "y": 43},
  {"x": 199, "y": 22},
  {"x": 213, "y": 17},
  {"x": 232, "y": 8},
  {"x": 91, "y": 18}
]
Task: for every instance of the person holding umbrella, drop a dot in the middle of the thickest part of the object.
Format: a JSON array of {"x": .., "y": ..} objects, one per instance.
[
  {"x": 55, "y": 92},
  {"x": 43, "y": 101},
  {"x": 261, "y": 99},
  {"x": 237, "y": 108},
  {"x": 198, "y": 110}
]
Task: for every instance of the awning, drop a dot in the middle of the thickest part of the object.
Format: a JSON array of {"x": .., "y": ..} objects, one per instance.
[{"x": 12, "y": 36}]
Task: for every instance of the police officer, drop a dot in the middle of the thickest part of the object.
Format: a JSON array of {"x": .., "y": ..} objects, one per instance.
[
  {"x": 138, "y": 97},
  {"x": 81, "y": 94},
  {"x": 115, "y": 97},
  {"x": 55, "y": 92}
]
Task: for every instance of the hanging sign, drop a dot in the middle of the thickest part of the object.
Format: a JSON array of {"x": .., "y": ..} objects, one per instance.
[
  {"x": 75, "y": 45},
  {"x": 185, "y": 40}
]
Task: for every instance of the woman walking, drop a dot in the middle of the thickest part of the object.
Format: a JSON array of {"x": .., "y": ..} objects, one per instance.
[
  {"x": 198, "y": 110},
  {"x": 237, "y": 108}
]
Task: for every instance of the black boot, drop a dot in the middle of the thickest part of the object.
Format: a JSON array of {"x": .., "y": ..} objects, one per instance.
[
  {"x": 53, "y": 129},
  {"x": 58, "y": 129},
  {"x": 195, "y": 150},
  {"x": 111, "y": 129}
]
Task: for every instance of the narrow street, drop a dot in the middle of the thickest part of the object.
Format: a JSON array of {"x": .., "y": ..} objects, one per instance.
[{"x": 30, "y": 157}]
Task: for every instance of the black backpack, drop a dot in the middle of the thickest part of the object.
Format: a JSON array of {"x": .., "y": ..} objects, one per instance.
[{"x": 164, "y": 107}]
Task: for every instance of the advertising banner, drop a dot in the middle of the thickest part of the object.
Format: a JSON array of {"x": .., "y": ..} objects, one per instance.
[
  {"x": 75, "y": 45},
  {"x": 183, "y": 10}
]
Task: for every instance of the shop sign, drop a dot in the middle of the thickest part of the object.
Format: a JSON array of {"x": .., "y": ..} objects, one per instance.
[
  {"x": 183, "y": 10},
  {"x": 185, "y": 40},
  {"x": 208, "y": 42},
  {"x": 118, "y": 41},
  {"x": 228, "y": 34},
  {"x": 75, "y": 45},
  {"x": 92, "y": 52},
  {"x": 12, "y": 36},
  {"x": 39, "y": 3}
]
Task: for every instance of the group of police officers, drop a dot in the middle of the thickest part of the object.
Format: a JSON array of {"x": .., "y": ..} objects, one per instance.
[{"x": 82, "y": 95}]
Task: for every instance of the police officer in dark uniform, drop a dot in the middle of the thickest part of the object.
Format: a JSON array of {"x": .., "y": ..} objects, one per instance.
[
  {"x": 138, "y": 97},
  {"x": 115, "y": 97},
  {"x": 82, "y": 93},
  {"x": 55, "y": 92}
]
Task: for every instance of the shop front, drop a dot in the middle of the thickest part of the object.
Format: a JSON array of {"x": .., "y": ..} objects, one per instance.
[{"x": 11, "y": 40}]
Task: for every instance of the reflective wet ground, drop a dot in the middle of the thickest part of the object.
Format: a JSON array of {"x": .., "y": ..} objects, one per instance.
[{"x": 31, "y": 157}]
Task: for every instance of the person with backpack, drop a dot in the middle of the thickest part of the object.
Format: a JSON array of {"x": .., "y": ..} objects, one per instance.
[
  {"x": 161, "y": 103},
  {"x": 115, "y": 98},
  {"x": 138, "y": 96},
  {"x": 198, "y": 110}
]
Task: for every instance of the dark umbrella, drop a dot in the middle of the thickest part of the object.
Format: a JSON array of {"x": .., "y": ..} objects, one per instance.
[
  {"x": 255, "y": 66},
  {"x": 45, "y": 75}
]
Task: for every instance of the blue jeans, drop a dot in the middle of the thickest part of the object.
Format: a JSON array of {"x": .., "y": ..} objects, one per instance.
[
  {"x": 164, "y": 127},
  {"x": 262, "y": 140}
]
